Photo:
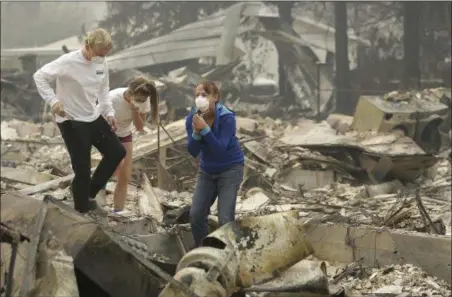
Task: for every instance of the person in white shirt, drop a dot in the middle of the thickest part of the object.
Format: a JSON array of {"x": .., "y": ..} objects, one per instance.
[
  {"x": 81, "y": 80},
  {"x": 132, "y": 105}
]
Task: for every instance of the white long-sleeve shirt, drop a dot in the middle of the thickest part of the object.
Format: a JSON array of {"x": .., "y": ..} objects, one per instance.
[
  {"x": 123, "y": 112},
  {"x": 79, "y": 83}
]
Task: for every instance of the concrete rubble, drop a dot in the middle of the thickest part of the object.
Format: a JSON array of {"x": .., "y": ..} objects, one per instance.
[
  {"x": 327, "y": 172},
  {"x": 400, "y": 280}
]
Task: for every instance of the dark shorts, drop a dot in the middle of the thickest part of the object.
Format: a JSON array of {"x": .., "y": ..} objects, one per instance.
[{"x": 125, "y": 139}]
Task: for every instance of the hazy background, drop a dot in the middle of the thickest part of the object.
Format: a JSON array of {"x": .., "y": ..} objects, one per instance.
[{"x": 28, "y": 24}]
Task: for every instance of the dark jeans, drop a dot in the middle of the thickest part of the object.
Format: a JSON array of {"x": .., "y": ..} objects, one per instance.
[
  {"x": 79, "y": 138},
  {"x": 225, "y": 185}
]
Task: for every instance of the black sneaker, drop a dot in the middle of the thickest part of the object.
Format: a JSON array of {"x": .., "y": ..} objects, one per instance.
[
  {"x": 92, "y": 204},
  {"x": 95, "y": 208}
]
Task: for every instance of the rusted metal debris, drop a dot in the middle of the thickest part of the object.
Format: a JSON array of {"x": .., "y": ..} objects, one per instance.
[
  {"x": 427, "y": 220},
  {"x": 14, "y": 238},
  {"x": 418, "y": 116},
  {"x": 348, "y": 269},
  {"x": 308, "y": 167},
  {"x": 242, "y": 253},
  {"x": 250, "y": 242},
  {"x": 274, "y": 163},
  {"x": 306, "y": 278},
  {"x": 30, "y": 264},
  {"x": 95, "y": 251}
]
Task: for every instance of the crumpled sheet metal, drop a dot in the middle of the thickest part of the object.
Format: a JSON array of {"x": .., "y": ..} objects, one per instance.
[
  {"x": 306, "y": 276},
  {"x": 242, "y": 253},
  {"x": 264, "y": 245},
  {"x": 196, "y": 280},
  {"x": 409, "y": 161},
  {"x": 98, "y": 254},
  {"x": 323, "y": 135},
  {"x": 222, "y": 259}
]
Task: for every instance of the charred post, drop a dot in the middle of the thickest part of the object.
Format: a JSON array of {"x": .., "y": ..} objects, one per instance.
[{"x": 343, "y": 96}]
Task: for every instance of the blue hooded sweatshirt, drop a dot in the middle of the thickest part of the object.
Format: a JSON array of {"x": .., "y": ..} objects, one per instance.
[{"x": 219, "y": 147}]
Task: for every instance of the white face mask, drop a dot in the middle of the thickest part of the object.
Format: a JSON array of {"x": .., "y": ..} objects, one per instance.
[
  {"x": 140, "y": 105},
  {"x": 202, "y": 103},
  {"x": 98, "y": 60}
]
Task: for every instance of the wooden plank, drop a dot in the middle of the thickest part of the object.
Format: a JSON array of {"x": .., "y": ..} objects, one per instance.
[
  {"x": 53, "y": 184},
  {"x": 25, "y": 176},
  {"x": 161, "y": 168},
  {"x": 382, "y": 247},
  {"x": 166, "y": 181},
  {"x": 151, "y": 205},
  {"x": 28, "y": 280},
  {"x": 50, "y": 185}
]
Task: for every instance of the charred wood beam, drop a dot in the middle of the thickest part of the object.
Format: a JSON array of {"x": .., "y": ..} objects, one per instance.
[
  {"x": 342, "y": 64},
  {"x": 98, "y": 252},
  {"x": 424, "y": 213},
  {"x": 32, "y": 251},
  {"x": 12, "y": 237},
  {"x": 9, "y": 235},
  {"x": 411, "y": 45}
]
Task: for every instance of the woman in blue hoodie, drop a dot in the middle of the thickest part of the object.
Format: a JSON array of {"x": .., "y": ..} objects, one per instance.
[{"x": 211, "y": 129}]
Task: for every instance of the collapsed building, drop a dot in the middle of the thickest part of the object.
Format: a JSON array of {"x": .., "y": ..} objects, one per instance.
[
  {"x": 250, "y": 75},
  {"x": 244, "y": 50}
]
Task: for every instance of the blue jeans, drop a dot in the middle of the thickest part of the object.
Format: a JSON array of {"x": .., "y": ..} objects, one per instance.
[{"x": 225, "y": 185}]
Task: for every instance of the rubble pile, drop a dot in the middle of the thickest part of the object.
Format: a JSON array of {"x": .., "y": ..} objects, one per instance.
[
  {"x": 432, "y": 95},
  {"x": 37, "y": 148},
  {"x": 279, "y": 177},
  {"x": 19, "y": 97},
  {"x": 399, "y": 280},
  {"x": 324, "y": 171},
  {"x": 386, "y": 168}
]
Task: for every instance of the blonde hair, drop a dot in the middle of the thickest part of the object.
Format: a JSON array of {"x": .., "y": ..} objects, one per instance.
[{"x": 98, "y": 38}]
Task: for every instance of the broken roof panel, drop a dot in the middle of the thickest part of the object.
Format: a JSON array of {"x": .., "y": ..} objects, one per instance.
[
  {"x": 304, "y": 25},
  {"x": 194, "y": 40},
  {"x": 324, "y": 136},
  {"x": 53, "y": 48},
  {"x": 171, "y": 52}
]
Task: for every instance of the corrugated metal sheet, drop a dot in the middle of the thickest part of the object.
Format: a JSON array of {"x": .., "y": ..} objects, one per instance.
[
  {"x": 192, "y": 41},
  {"x": 35, "y": 51},
  {"x": 205, "y": 28},
  {"x": 51, "y": 49},
  {"x": 303, "y": 25},
  {"x": 203, "y": 38},
  {"x": 189, "y": 50}
]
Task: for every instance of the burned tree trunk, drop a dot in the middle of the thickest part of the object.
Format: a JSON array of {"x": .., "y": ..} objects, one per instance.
[
  {"x": 343, "y": 103},
  {"x": 285, "y": 22},
  {"x": 411, "y": 45}
]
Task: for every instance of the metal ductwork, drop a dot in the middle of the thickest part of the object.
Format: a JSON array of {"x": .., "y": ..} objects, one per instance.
[{"x": 241, "y": 254}]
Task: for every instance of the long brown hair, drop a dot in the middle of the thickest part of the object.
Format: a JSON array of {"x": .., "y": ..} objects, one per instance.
[{"x": 142, "y": 86}]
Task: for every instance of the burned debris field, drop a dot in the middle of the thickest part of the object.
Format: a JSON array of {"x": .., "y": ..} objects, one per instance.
[{"x": 346, "y": 190}]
